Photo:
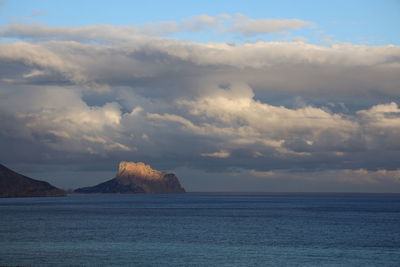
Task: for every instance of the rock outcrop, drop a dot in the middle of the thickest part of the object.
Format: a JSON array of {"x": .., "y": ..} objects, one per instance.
[
  {"x": 137, "y": 177},
  {"x": 13, "y": 184}
]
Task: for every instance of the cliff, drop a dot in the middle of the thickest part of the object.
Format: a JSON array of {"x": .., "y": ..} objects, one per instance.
[
  {"x": 13, "y": 184},
  {"x": 137, "y": 177}
]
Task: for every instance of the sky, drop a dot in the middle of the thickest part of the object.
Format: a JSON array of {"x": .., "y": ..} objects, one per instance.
[{"x": 265, "y": 96}]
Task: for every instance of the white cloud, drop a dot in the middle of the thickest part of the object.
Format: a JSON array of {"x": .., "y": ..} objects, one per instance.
[
  {"x": 174, "y": 118},
  {"x": 382, "y": 116},
  {"x": 236, "y": 109},
  {"x": 63, "y": 120},
  {"x": 381, "y": 125},
  {"x": 219, "y": 154}
]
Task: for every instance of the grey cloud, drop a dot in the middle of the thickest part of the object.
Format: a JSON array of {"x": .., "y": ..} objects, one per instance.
[
  {"x": 100, "y": 33},
  {"x": 185, "y": 105},
  {"x": 202, "y": 22},
  {"x": 252, "y": 27},
  {"x": 314, "y": 71}
]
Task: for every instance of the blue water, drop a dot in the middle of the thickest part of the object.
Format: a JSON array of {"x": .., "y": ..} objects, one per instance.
[{"x": 201, "y": 230}]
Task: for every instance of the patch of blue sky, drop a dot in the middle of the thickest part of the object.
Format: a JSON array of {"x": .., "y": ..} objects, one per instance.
[{"x": 366, "y": 22}]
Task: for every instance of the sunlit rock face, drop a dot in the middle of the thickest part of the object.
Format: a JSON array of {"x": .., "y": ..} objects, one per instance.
[
  {"x": 137, "y": 177},
  {"x": 137, "y": 170},
  {"x": 13, "y": 184}
]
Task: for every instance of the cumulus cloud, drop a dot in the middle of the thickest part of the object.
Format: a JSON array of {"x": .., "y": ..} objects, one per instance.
[
  {"x": 99, "y": 93},
  {"x": 381, "y": 124},
  {"x": 235, "y": 106},
  {"x": 62, "y": 121}
]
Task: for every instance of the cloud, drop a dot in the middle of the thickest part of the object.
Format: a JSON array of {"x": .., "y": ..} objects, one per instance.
[
  {"x": 38, "y": 12},
  {"x": 100, "y": 33},
  {"x": 347, "y": 180},
  {"x": 37, "y": 61},
  {"x": 202, "y": 22},
  {"x": 219, "y": 154},
  {"x": 239, "y": 180},
  {"x": 252, "y": 27},
  {"x": 341, "y": 71},
  {"x": 60, "y": 120},
  {"x": 381, "y": 125},
  {"x": 360, "y": 176},
  {"x": 218, "y": 24},
  {"x": 235, "y": 107},
  {"x": 99, "y": 94}
]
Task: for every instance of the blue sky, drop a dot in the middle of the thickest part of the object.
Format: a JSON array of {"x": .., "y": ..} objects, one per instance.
[{"x": 360, "y": 22}]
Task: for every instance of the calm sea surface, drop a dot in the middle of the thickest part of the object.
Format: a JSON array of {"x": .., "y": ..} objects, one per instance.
[{"x": 201, "y": 230}]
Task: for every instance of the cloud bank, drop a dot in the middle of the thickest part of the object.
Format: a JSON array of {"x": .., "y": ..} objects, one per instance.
[{"x": 93, "y": 95}]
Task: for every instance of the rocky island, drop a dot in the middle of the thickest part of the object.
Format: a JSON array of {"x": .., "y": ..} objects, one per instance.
[
  {"x": 137, "y": 177},
  {"x": 13, "y": 184}
]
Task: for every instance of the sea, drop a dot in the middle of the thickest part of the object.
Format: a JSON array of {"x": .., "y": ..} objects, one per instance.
[{"x": 201, "y": 229}]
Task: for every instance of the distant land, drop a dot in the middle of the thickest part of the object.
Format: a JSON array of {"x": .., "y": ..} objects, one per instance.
[
  {"x": 13, "y": 184},
  {"x": 135, "y": 178}
]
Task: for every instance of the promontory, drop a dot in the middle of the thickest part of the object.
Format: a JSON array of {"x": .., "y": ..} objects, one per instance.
[
  {"x": 13, "y": 184},
  {"x": 137, "y": 177}
]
